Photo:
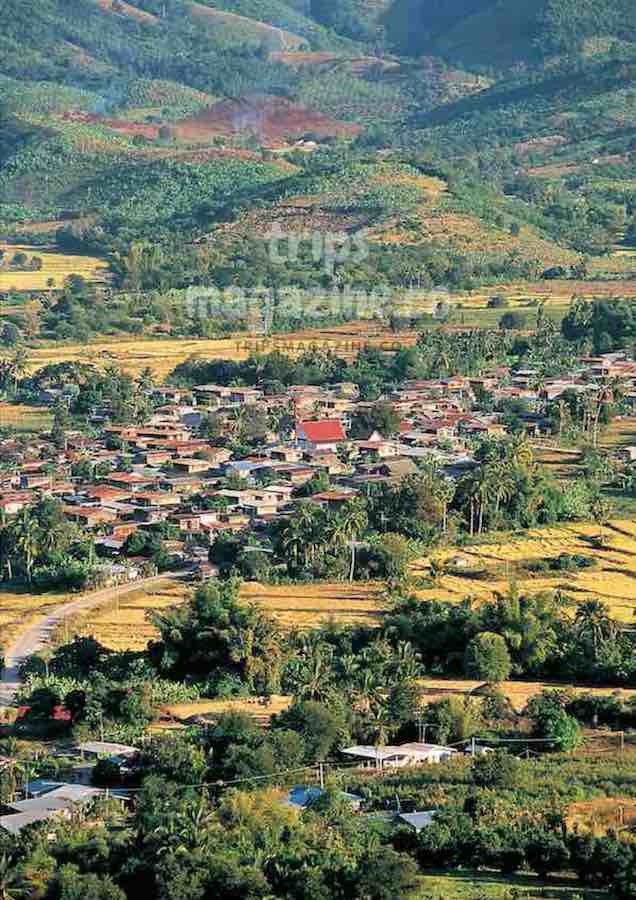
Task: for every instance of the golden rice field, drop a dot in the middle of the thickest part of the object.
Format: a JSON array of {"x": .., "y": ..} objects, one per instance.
[
  {"x": 491, "y": 566},
  {"x": 57, "y": 266},
  {"x": 25, "y": 418},
  {"x": 18, "y": 609},
  {"x": 125, "y": 626},
  {"x": 163, "y": 355}
]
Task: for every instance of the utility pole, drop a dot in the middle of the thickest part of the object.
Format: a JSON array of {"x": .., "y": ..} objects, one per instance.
[
  {"x": 321, "y": 771},
  {"x": 472, "y": 747}
]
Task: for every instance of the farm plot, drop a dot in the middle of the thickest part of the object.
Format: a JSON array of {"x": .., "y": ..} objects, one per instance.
[
  {"x": 55, "y": 267},
  {"x": 25, "y": 418},
  {"x": 124, "y": 625},
  {"x": 18, "y": 608},
  {"x": 483, "y": 570},
  {"x": 162, "y": 356}
]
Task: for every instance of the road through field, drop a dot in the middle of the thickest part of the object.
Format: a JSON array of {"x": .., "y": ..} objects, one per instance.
[{"x": 37, "y": 635}]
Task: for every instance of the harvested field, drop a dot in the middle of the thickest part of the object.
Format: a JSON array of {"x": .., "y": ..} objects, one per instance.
[
  {"x": 491, "y": 566},
  {"x": 124, "y": 625},
  {"x": 184, "y": 713},
  {"x": 268, "y": 118},
  {"x": 25, "y": 418},
  {"x": 57, "y": 266},
  {"x": 163, "y": 355},
  {"x": 18, "y": 608},
  {"x": 307, "y": 605}
]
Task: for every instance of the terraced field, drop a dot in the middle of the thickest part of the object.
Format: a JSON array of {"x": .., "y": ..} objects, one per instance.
[{"x": 56, "y": 266}]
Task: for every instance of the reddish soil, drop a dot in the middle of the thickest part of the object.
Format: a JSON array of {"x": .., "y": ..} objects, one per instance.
[
  {"x": 267, "y": 118},
  {"x": 132, "y": 128}
]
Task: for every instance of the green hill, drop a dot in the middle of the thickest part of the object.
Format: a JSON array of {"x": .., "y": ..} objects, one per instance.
[{"x": 479, "y": 140}]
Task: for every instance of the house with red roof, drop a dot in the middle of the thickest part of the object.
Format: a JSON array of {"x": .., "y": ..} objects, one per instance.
[{"x": 325, "y": 434}]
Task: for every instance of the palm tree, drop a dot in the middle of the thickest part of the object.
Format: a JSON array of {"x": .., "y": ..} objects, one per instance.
[
  {"x": 353, "y": 520},
  {"x": 27, "y": 540},
  {"x": 594, "y": 624}
]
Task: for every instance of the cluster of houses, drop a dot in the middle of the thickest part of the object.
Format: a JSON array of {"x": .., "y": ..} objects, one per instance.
[{"x": 166, "y": 471}]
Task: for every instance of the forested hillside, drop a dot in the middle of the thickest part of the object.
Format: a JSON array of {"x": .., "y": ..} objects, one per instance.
[{"x": 476, "y": 141}]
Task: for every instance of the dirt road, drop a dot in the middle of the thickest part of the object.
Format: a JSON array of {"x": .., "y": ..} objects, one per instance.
[{"x": 37, "y": 636}]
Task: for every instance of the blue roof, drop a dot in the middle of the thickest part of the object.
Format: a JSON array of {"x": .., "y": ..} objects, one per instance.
[
  {"x": 303, "y": 796},
  {"x": 41, "y": 786}
]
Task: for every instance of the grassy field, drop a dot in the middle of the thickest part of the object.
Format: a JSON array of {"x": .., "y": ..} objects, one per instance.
[
  {"x": 25, "y": 418},
  {"x": 57, "y": 266},
  {"x": 491, "y": 566},
  {"x": 469, "y": 885},
  {"x": 518, "y": 692}
]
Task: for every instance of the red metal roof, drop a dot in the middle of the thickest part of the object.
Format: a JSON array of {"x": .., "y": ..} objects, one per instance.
[{"x": 323, "y": 432}]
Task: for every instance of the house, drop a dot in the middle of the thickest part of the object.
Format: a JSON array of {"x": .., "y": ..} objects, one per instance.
[
  {"x": 191, "y": 466},
  {"x": 90, "y": 516},
  {"x": 417, "y": 821},
  {"x": 403, "y": 755},
  {"x": 325, "y": 434}
]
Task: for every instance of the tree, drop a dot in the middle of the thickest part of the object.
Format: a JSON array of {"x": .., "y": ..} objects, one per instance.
[
  {"x": 215, "y": 634},
  {"x": 382, "y": 417},
  {"x": 487, "y": 658},
  {"x": 496, "y": 770},
  {"x": 385, "y": 874},
  {"x": 546, "y": 853},
  {"x": 550, "y": 721}
]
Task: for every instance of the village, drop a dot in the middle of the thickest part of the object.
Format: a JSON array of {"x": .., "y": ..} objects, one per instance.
[{"x": 165, "y": 472}]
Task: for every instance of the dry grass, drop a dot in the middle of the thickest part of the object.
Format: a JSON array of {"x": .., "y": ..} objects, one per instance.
[
  {"x": 493, "y": 565},
  {"x": 19, "y": 608},
  {"x": 162, "y": 356},
  {"x": 187, "y": 711},
  {"x": 602, "y": 815},
  {"x": 25, "y": 418},
  {"x": 125, "y": 626},
  {"x": 57, "y": 266}
]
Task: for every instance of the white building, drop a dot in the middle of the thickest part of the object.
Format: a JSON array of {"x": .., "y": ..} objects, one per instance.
[{"x": 403, "y": 755}]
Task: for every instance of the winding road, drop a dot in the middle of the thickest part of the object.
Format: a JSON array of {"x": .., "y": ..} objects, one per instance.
[{"x": 38, "y": 635}]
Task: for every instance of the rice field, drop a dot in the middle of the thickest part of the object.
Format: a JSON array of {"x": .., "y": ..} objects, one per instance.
[
  {"x": 124, "y": 625},
  {"x": 490, "y": 567},
  {"x": 25, "y": 418},
  {"x": 163, "y": 355},
  {"x": 56, "y": 266},
  {"x": 19, "y": 608}
]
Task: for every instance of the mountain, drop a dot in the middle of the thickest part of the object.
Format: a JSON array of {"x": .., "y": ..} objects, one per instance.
[{"x": 478, "y": 140}]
